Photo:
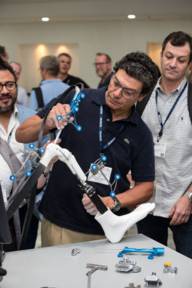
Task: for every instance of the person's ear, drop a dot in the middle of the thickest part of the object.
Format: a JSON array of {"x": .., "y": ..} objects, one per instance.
[{"x": 140, "y": 98}]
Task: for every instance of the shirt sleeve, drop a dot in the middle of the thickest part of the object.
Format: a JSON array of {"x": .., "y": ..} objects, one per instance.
[
  {"x": 63, "y": 98},
  {"x": 143, "y": 168}
]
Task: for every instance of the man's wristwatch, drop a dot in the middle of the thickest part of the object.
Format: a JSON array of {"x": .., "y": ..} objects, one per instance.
[
  {"x": 117, "y": 204},
  {"x": 189, "y": 195}
]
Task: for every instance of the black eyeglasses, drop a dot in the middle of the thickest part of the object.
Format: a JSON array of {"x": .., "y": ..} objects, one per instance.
[
  {"x": 10, "y": 85},
  {"x": 100, "y": 63},
  {"x": 125, "y": 91}
]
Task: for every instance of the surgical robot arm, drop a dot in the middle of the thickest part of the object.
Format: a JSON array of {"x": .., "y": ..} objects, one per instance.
[{"x": 114, "y": 226}]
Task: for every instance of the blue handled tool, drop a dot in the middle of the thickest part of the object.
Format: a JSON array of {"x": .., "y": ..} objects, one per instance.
[{"x": 155, "y": 251}]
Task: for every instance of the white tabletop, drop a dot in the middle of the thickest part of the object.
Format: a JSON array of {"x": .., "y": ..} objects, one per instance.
[{"x": 56, "y": 267}]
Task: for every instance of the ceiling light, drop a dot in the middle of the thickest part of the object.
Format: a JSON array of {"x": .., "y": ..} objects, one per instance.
[
  {"x": 45, "y": 19},
  {"x": 131, "y": 16}
]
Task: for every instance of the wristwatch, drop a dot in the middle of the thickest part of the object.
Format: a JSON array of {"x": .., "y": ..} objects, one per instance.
[
  {"x": 117, "y": 204},
  {"x": 189, "y": 195}
]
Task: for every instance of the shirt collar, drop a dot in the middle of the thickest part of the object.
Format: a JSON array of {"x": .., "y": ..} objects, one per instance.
[
  {"x": 50, "y": 81},
  {"x": 15, "y": 111},
  {"x": 177, "y": 90},
  {"x": 99, "y": 100}
]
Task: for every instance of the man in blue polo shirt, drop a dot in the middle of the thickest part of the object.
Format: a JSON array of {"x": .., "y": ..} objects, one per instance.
[{"x": 110, "y": 127}]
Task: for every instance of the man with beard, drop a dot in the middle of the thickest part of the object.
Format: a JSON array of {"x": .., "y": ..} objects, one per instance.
[
  {"x": 168, "y": 116},
  {"x": 11, "y": 115}
]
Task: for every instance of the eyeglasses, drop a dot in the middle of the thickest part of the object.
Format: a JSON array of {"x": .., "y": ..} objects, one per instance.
[
  {"x": 125, "y": 91},
  {"x": 100, "y": 63},
  {"x": 10, "y": 85}
]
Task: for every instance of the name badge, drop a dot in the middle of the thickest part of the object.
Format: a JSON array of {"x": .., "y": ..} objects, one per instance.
[
  {"x": 160, "y": 150},
  {"x": 102, "y": 176}
]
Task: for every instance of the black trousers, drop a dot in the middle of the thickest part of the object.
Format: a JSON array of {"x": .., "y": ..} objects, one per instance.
[{"x": 156, "y": 227}]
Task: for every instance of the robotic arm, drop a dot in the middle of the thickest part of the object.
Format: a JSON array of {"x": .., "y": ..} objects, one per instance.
[{"x": 114, "y": 226}]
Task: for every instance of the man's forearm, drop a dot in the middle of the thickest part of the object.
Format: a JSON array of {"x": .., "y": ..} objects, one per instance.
[
  {"x": 137, "y": 195},
  {"x": 28, "y": 131}
]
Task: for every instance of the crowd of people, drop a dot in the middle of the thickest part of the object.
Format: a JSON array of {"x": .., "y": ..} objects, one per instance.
[{"x": 139, "y": 119}]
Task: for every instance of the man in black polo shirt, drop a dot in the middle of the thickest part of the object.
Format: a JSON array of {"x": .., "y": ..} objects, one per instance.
[
  {"x": 65, "y": 61},
  {"x": 111, "y": 128}
]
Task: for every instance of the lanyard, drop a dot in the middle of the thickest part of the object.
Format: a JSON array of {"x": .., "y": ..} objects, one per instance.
[
  {"x": 110, "y": 142},
  {"x": 162, "y": 124}
]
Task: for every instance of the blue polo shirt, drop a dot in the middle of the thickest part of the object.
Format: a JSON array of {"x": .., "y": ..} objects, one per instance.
[
  {"x": 131, "y": 150},
  {"x": 50, "y": 89}
]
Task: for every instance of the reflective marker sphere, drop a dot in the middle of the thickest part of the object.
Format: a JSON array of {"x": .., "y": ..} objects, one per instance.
[
  {"x": 12, "y": 177},
  {"x": 31, "y": 146},
  {"x": 42, "y": 150},
  {"x": 59, "y": 117},
  {"x": 78, "y": 127},
  {"x": 103, "y": 158},
  {"x": 28, "y": 173},
  {"x": 112, "y": 194},
  {"x": 117, "y": 177}
]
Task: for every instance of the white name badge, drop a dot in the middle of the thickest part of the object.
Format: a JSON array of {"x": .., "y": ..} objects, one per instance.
[
  {"x": 103, "y": 176},
  {"x": 160, "y": 150}
]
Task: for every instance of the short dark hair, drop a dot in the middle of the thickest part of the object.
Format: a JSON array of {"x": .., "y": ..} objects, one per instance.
[
  {"x": 108, "y": 58},
  {"x": 141, "y": 67},
  {"x": 178, "y": 38},
  {"x": 66, "y": 55},
  {"x": 2, "y": 51},
  {"x": 51, "y": 64},
  {"x": 5, "y": 66}
]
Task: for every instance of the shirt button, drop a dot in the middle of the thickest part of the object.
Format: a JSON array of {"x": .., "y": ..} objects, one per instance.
[{"x": 108, "y": 120}]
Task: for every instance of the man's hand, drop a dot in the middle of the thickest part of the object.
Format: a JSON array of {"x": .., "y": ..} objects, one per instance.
[
  {"x": 58, "y": 110},
  {"x": 181, "y": 211},
  {"x": 91, "y": 208},
  {"x": 88, "y": 205}
]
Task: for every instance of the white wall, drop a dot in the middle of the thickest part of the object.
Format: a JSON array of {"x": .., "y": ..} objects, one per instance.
[{"x": 114, "y": 37}]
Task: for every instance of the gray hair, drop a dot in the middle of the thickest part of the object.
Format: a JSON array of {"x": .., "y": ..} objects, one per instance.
[{"x": 51, "y": 64}]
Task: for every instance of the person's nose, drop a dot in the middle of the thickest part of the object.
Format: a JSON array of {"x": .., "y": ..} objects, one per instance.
[
  {"x": 117, "y": 92},
  {"x": 173, "y": 62}
]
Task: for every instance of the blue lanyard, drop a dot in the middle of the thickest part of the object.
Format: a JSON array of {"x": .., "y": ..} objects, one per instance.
[
  {"x": 110, "y": 142},
  {"x": 103, "y": 147},
  {"x": 162, "y": 124}
]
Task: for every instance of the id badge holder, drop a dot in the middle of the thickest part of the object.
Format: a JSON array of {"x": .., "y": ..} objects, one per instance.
[
  {"x": 102, "y": 176},
  {"x": 160, "y": 150}
]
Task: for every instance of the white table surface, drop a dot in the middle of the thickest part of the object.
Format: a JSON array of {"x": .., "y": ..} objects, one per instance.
[{"x": 56, "y": 267}]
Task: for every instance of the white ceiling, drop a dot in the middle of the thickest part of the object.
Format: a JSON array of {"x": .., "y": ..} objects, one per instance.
[{"x": 28, "y": 11}]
